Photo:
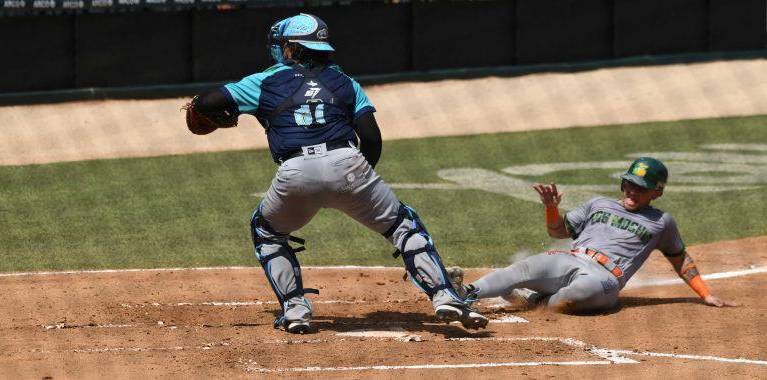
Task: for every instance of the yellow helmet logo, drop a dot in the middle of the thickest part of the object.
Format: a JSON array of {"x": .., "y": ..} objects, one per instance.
[{"x": 640, "y": 169}]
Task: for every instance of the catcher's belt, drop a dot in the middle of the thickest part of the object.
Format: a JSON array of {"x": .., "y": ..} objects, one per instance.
[{"x": 325, "y": 147}]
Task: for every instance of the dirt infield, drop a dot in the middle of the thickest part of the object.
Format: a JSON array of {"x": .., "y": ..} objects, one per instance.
[
  {"x": 368, "y": 321},
  {"x": 217, "y": 323}
]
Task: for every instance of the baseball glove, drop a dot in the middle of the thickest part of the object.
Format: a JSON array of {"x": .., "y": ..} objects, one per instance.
[{"x": 201, "y": 123}]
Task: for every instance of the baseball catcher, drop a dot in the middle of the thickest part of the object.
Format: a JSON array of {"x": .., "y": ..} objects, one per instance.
[
  {"x": 321, "y": 131},
  {"x": 611, "y": 240}
]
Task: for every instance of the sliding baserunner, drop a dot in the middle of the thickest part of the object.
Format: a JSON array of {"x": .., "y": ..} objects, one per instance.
[{"x": 611, "y": 240}]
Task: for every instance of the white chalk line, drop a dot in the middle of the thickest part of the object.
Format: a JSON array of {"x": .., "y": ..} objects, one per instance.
[
  {"x": 711, "y": 276},
  {"x": 641, "y": 283},
  {"x": 610, "y": 356},
  {"x": 249, "y": 303},
  {"x": 63, "y": 325},
  {"x": 691, "y": 357},
  {"x": 204, "y": 347},
  {"x": 202, "y": 269},
  {"x": 506, "y": 319},
  {"x": 613, "y": 359},
  {"x": 600, "y": 352},
  {"x": 423, "y": 366}
]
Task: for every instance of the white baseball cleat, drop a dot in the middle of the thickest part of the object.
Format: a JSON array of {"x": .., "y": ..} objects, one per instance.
[
  {"x": 469, "y": 318},
  {"x": 297, "y": 327}
]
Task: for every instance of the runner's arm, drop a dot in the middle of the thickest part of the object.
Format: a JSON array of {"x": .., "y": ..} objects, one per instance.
[
  {"x": 555, "y": 223},
  {"x": 686, "y": 269}
]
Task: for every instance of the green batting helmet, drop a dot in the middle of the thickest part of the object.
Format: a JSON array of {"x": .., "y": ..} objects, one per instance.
[{"x": 647, "y": 172}]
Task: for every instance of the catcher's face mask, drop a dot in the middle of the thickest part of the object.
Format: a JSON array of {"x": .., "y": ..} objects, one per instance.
[{"x": 274, "y": 40}]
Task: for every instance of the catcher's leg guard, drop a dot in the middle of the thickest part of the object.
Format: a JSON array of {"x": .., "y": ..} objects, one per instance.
[
  {"x": 422, "y": 261},
  {"x": 280, "y": 264}
]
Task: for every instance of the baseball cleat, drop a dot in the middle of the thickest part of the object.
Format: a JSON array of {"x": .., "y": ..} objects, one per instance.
[
  {"x": 469, "y": 318},
  {"x": 297, "y": 327},
  {"x": 523, "y": 298}
]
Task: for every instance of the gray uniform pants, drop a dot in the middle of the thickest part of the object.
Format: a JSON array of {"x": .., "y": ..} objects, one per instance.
[
  {"x": 341, "y": 179},
  {"x": 574, "y": 282}
]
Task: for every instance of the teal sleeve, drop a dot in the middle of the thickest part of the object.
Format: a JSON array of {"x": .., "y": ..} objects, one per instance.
[
  {"x": 247, "y": 92},
  {"x": 362, "y": 104}
]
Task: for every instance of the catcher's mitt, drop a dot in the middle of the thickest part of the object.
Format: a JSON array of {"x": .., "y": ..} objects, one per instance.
[{"x": 203, "y": 123}]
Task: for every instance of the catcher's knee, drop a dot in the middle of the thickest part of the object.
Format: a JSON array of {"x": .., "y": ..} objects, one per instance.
[
  {"x": 421, "y": 243},
  {"x": 260, "y": 229}
]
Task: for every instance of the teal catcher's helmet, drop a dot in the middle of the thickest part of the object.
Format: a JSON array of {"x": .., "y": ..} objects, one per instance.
[
  {"x": 307, "y": 30},
  {"x": 647, "y": 172}
]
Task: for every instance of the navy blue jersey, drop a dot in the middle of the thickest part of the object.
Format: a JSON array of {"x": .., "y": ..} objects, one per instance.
[{"x": 300, "y": 107}]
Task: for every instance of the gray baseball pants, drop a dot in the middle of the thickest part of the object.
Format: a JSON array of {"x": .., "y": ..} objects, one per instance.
[
  {"x": 575, "y": 283},
  {"x": 341, "y": 179}
]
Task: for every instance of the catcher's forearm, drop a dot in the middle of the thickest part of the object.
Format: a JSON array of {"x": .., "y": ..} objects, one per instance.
[
  {"x": 370, "y": 137},
  {"x": 686, "y": 269}
]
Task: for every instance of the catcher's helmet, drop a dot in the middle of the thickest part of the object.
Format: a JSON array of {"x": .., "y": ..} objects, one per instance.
[
  {"x": 305, "y": 29},
  {"x": 647, "y": 172}
]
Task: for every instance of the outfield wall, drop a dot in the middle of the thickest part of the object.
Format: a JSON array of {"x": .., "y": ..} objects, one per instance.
[{"x": 142, "y": 47}]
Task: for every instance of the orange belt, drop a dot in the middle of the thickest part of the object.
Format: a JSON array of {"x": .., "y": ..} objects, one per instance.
[{"x": 602, "y": 260}]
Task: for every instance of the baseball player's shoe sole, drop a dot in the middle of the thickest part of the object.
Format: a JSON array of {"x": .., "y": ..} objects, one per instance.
[
  {"x": 470, "y": 319},
  {"x": 298, "y": 327}
]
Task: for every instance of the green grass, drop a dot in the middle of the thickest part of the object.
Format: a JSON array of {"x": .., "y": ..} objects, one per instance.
[{"x": 194, "y": 210}]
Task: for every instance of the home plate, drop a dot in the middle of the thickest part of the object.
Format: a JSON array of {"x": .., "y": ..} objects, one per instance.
[
  {"x": 397, "y": 334},
  {"x": 509, "y": 319}
]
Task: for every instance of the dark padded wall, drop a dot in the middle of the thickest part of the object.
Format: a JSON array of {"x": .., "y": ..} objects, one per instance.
[
  {"x": 737, "y": 24},
  {"x": 463, "y": 34},
  {"x": 563, "y": 30},
  {"x": 132, "y": 49},
  {"x": 229, "y": 45},
  {"x": 232, "y": 45},
  {"x": 369, "y": 38},
  {"x": 660, "y": 26},
  {"x": 36, "y": 53},
  {"x": 141, "y": 47}
]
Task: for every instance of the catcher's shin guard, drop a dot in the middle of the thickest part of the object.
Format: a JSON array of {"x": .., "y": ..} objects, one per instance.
[
  {"x": 284, "y": 275},
  {"x": 439, "y": 279}
]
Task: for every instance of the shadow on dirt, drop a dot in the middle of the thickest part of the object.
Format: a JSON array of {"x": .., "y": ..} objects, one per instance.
[
  {"x": 630, "y": 302},
  {"x": 623, "y": 303},
  {"x": 395, "y": 321}
]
